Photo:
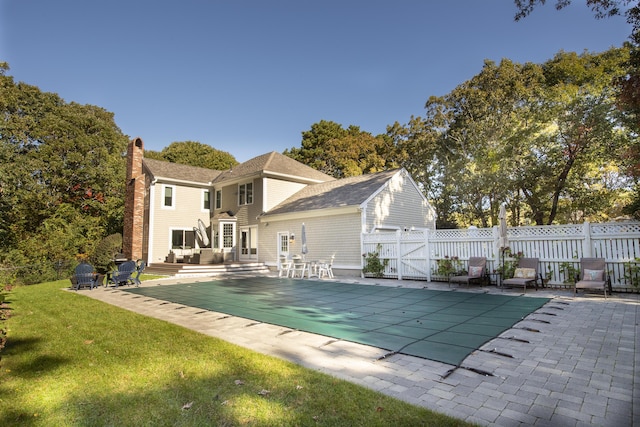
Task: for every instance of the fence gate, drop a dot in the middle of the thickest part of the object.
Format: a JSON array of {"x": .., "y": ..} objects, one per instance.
[{"x": 406, "y": 251}]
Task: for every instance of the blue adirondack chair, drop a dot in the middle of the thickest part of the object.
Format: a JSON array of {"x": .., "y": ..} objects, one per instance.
[
  {"x": 122, "y": 275},
  {"x": 84, "y": 275},
  {"x": 135, "y": 280}
]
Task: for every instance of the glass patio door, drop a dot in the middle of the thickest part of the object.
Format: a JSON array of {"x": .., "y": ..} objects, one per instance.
[{"x": 248, "y": 243}]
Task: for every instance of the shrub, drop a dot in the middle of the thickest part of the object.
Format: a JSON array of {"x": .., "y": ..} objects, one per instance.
[
  {"x": 448, "y": 265},
  {"x": 373, "y": 264},
  {"x": 105, "y": 252}
]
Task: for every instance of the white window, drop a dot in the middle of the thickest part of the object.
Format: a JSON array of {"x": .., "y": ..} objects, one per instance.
[
  {"x": 183, "y": 239},
  {"x": 227, "y": 235},
  {"x": 245, "y": 194},
  {"x": 218, "y": 199},
  {"x": 206, "y": 200},
  {"x": 168, "y": 196}
]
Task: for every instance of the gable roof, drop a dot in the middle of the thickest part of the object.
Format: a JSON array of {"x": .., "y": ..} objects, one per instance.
[
  {"x": 352, "y": 191},
  {"x": 178, "y": 172},
  {"x": 274, "y": 164}
]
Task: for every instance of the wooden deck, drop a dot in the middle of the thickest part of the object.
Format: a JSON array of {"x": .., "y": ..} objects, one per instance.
[{"x": 184, "y": 270}]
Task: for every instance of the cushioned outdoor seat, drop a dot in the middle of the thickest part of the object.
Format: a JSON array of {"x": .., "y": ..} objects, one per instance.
[
  {"x": 475, "y": 273},
  {"x": 593, "y": 275},
  {"x": 526, "y": 274}
]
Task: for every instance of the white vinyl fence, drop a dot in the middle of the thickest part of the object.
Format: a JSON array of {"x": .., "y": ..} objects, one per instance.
[{"x": 413, "y": 254}]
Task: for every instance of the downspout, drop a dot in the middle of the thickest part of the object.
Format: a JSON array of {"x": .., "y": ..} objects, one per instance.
[
  {"x": 152, "y": 210},
  {"x": 363, "y": 226}
]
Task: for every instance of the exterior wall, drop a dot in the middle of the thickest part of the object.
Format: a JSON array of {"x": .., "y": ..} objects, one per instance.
[
  {"x": 399, "y": 204},
  {"x": 278, "y": 191},
  {"x": 246, "y": 214},
  {"x": 184, "y": 215},
  {"x": 327, "y": 236}
]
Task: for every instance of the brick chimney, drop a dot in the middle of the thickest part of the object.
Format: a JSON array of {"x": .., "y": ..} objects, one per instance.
[{"x": 132, "y": 235}]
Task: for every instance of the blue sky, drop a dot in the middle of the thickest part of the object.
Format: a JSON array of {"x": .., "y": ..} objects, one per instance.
[{"x": 248, "y": 76}]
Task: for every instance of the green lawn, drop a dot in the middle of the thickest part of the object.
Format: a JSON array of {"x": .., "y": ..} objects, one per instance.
[{"x": 72, "y": 360}]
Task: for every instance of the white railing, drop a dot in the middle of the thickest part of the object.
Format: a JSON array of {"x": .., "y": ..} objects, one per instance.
[{"x": 414, "y": 254}]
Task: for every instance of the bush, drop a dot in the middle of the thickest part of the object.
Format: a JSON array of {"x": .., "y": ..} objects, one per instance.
[
  {"x": 448, "y": 265},
  {"x": 373, "y": 264},
  {"x": 105, "y": 252}
]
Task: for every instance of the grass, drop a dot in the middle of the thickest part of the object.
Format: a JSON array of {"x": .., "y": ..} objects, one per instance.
[{"x": 71, "y": 360}]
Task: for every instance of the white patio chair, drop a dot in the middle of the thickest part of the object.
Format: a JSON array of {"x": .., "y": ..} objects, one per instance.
[
  {"x": 325, "y": 268},
  {"x": 285, "y": 267},
  {"x": 299, "y": 267}
]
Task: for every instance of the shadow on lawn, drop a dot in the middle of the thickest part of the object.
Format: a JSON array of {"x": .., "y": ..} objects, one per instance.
[{"x": 35, "y": 367}]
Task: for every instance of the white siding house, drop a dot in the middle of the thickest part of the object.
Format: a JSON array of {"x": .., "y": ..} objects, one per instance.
[
  {"x": 335, "y": 213},
  {"x": 255, "y": 211}
]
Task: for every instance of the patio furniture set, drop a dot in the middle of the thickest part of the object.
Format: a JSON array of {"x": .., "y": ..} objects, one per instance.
[
  {"x": 592, "y": 276},
  {"x": 297, "y": 266},
  {"x": 126, "y": 273}
]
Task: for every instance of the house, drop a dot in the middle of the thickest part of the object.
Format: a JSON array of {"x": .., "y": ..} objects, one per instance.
[{"x": 255, "y": 211}]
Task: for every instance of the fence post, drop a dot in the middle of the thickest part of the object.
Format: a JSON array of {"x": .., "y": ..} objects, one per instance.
[
  {"x": 496, "y": 244},
  {"x": 586, "y": 243},
  {"x": 399, "y": 253},
  {"x": 428, "y": 252}
]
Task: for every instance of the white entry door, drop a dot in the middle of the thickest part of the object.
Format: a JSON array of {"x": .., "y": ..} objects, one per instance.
[{"x": 283, "y": 245}]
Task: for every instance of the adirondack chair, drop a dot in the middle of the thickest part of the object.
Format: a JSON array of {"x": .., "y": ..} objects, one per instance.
[
  {"x": 84, "y": 275},
  {"x": 135, "y": 280},
  {"x": 122, "y": 275}
]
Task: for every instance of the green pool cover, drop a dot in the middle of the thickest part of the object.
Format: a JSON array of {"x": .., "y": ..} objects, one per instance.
[{"x": 445, "y": 326}]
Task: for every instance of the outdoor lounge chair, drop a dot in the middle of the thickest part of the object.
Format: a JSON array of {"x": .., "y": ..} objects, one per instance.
[
  {"x": 526, "y": 273},
  {"x": 475, "y": 273},
  {"x": 85, "y": 275},
  {"x": 122, "y": 275},
  {"x": 593, "y": 275}
]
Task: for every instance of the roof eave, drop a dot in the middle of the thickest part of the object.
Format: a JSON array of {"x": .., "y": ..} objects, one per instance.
[
  {"x": 310, "y": 213},
  {"x": 181, "y": 181}
]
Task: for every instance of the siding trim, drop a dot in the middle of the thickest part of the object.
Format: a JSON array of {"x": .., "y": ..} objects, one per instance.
[{"x": 311, "y": 214}]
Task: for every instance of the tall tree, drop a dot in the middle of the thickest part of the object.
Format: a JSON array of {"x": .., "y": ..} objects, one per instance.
[
  {"x": 628, "y": 83},
  {"x": 194, "y": 153},
  {"x": 339, "y": 152},
  {"x": 61, "y": 176},
  {"x": 525, "y": 134}
]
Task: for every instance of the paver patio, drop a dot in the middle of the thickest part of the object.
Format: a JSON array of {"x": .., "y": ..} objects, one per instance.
[{"x": 572, "y": 362}]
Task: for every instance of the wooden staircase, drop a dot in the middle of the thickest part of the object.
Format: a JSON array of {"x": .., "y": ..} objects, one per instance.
[{"x": 195, "y": 270}]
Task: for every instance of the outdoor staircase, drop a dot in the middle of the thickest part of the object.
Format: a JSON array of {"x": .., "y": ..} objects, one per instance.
[{"x": 194, "y": 270}]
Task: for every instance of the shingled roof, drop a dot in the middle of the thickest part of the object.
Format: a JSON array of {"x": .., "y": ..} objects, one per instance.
[
  {"x": 277, "y": 164},
  {"x": 179, "y": 172},
  {"x": 351, "y": 191}
]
